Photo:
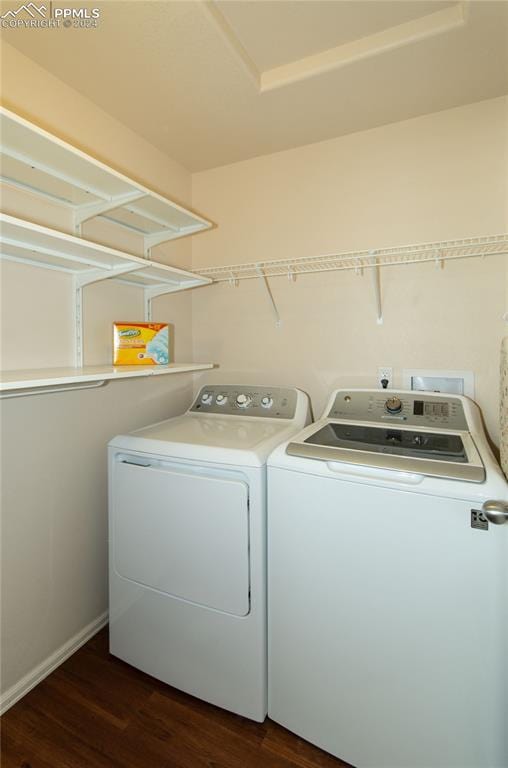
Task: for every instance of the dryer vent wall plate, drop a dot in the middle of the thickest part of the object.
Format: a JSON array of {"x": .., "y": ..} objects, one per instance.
[{"x": 451, "y": 382}]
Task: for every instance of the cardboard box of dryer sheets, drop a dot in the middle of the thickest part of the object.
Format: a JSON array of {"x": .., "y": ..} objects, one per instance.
[{"x": 140, "y": 344}]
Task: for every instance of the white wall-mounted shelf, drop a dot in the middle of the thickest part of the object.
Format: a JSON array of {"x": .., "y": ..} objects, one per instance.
[
  {"x": 40, "y": 380},
  {"x": 35, "y": 160},
  {"x": 50, "y": 248},
  {"x": 358, "y": 261},
  {"x": 88, "y": 262}
]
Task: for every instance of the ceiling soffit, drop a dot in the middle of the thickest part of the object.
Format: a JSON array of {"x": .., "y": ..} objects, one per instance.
[{"x": 397, "y": 36}]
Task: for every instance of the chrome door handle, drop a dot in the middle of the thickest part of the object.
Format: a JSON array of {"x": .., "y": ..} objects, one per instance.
[{"x": 496, "y": 511}]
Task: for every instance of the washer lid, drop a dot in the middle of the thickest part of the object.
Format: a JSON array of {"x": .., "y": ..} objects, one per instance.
[
  {"x": 444, "y": 446},
  {"x": 228, "y": 440},
  {"x": 449, "y": 455}
]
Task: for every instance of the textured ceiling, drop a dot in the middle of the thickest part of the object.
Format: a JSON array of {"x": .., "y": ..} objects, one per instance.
[{"x": 214, "y": 83}]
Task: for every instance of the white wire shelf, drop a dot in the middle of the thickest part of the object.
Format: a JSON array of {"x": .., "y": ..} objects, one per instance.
[
  {"x": 358, "y": 260},
  {"x": 35, "y": 160}
]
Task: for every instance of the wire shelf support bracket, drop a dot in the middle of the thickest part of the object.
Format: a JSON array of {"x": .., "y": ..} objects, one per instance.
[
  {"x": 269, "y": 295},
  {"x": 376, "y": 284}
]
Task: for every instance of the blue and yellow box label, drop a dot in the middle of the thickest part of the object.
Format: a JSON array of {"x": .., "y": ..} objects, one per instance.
[{"x": 140, "y": 344}]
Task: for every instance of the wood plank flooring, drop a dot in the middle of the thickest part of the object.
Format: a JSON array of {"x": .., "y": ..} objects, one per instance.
[{"x": 97, "y": 712}]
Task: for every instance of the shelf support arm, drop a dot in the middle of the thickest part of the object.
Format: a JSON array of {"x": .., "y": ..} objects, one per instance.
[
  {"x": 169, "y": 233},
  {"x": 376, "y": 284},
  {"x": 152, "y": 291},
  {"x": 156, "y": 238},
  {"x": 96, "y": 275},
  {"x": 88, "y": 211},
  {"x": 269, "y": 294},
  {"x": 86, "y": 278}
]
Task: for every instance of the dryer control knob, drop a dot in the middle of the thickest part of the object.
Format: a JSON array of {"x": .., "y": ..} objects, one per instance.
[
  {"x": 267, "y": 401},
  {"x": 393, "y": 405},
  {"x": 221, "y": 399},
  {"x": 206, "y": 398},
  {"x": 243, "y": 401}
]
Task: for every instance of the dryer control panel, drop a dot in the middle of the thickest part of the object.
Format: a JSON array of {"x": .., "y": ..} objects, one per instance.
[
  {"x": 245, "y": 400},
  {"x": 415, "y": 409}
]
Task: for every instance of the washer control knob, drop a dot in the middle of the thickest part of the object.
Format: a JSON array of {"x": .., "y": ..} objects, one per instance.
[
  {"x": 207, "y": 398},
  {"x": 393, "y": 405},
  {"x": 221, "y": 399},
  {"x": 243, "y": 401},
  {"x": 267, "y": 401}
]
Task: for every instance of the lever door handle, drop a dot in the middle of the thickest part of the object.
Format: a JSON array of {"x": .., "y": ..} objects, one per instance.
[{"x": 496, "y": 511}]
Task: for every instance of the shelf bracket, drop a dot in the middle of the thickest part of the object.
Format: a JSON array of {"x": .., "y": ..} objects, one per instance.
[
  {"x": 86, "y": 278},
  {"x": 376, "y": 283},
  {"x": 156, "y": 238},
  {"x": 438, "y": 261},
  {"x": 164, "y": 235},
  {"x": 152, "y": 291},
  {"x": 269, "y": 294},
  {"x": 88, "y": 211},
  {"x": 96, "y": 275}
]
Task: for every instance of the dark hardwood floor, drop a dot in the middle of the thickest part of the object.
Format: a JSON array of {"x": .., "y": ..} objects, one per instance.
[{"x": 97, "y": 712}]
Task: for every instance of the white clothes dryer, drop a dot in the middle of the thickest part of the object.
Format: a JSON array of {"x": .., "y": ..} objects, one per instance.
[
  {"x": 187, "y": 565},
  {"x": 388, "y": 584}
]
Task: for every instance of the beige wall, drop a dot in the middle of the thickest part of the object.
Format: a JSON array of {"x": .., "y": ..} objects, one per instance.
[
  {"x": 435, "y": 177},
  {"x": 54, "y": 506}
]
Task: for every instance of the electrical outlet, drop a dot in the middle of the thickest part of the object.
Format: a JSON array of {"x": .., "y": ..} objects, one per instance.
[{"x": 384, "y": 373}]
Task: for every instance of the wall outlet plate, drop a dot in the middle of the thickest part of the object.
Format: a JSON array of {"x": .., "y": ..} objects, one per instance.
[{"x": 385, "y": 372}]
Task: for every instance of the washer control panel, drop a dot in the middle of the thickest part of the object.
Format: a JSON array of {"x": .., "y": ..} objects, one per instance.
[
  {"x": 414, "y": 409},
  {"x": 268, "y": 402}
]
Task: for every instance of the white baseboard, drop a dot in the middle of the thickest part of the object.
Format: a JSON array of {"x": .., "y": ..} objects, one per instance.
[{"x": 29, "y": 681}]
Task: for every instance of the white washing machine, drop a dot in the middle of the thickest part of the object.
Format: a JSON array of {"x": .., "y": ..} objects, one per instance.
[
  {"x": 388, "y": 584},
  {"x": 187, "y": 516}
]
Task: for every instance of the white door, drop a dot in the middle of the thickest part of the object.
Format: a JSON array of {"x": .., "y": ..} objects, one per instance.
[
  {"x": 183, "y": 533},
  {"x": 388, "y": 624}
]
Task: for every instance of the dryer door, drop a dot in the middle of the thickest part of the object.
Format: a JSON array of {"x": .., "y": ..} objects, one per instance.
[{"x": 185, "y": 533}]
